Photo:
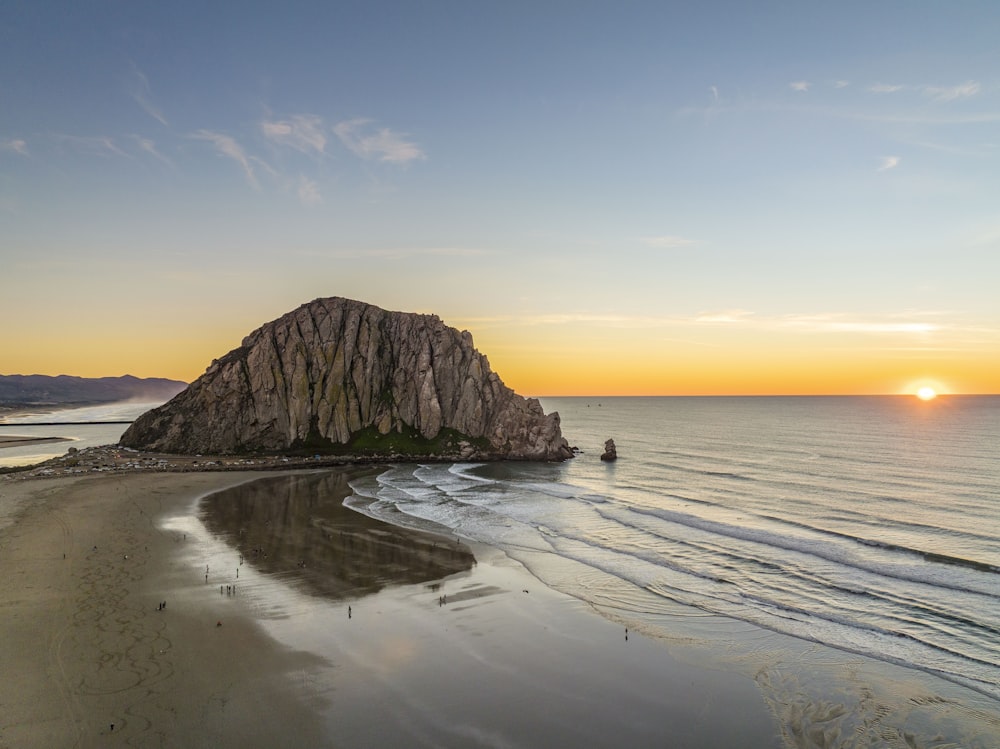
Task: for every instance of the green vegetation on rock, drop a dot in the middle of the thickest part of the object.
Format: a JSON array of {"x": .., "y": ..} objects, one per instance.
[{"x": 408, "y": 442}]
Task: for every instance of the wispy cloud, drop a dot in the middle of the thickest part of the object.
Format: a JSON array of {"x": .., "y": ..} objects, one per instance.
[
  {"x": 17, "y": 145},
  {"x": 885, "y": 88},
  {"x": 303, "y": 132},
  {"x": 715, "y": 93},
  {"x": 724, "y": 316},
  {"x": 988, "y": 236},
  {"x": 938, "y": 93},
  {"x": 799, "y": 85},
  {"x": 383, "y": 144},
  {"x": 148, "y": 146},
  {"x": 888, "y": 162},
  {"x": 907, "y": 323},
  {"x": 573, "y": 318},
  {"x": 667, "y": 241},
  {"x": 923, "y": 118},
  {"x": 142, "y": 95},
  {"x": 841, "y": 84},
  {"x": 228, "y": 147},
  {"x": 271, "y": 171},
  {"x": 961, "y": 91},
  {"x": 99, "y": 145},
  {"x": 308, "y": 191},
  {"x": 397, "y": 253},
  {"x": 916, "y": 326},
  {"x": 843, "y": 324}
]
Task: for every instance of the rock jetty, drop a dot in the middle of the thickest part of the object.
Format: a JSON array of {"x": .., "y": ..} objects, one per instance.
[{"x": 338, "y": 376}]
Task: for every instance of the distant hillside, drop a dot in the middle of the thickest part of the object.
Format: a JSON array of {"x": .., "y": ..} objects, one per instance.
[{"x": 38, "y": 390}]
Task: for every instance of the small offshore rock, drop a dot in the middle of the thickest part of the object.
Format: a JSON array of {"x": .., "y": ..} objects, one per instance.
[{"x": 610, "y": 451}]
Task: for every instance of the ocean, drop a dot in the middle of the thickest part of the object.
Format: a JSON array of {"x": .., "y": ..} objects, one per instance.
[
  {"x": 66, "y": 423},
  {"x": 839, "y": 554},
  {"x": 870, "y": 525}
]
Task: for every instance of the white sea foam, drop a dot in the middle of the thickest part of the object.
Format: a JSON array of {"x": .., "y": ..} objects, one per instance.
[{"x": 866, "y": 524}]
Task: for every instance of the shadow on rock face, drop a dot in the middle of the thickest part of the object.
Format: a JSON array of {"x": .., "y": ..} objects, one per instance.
[{"x": 297, "y": 526}]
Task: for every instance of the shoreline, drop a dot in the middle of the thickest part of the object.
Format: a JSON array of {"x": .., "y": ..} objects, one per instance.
[
  {"x": 523, "y": 664},
  {"x": 15, "y": 440},
  {"x": 320, "y": 654},
  {"x": 87, "y": 566}
]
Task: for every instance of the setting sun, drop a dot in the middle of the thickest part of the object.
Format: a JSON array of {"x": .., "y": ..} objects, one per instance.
[{"x": 926, "y": 394}]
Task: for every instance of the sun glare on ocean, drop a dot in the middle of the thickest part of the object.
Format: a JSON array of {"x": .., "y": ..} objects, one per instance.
[{"x": 926, "y": 393}]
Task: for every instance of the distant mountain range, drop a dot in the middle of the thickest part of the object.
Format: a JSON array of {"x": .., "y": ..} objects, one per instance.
[{"x": 42, "y": 390}]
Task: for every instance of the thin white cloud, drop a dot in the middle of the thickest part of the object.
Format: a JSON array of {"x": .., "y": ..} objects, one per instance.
[
  {"x": 308, "y": 191},
  {"x": 888, "y": 162},
  {"x": 835, "y": 323},
  {"x": 228, "y": 147},
  {"x": 272, "y": 172},
  {"x": 911, "y": 324},
  {"x": 382, "y": 144},
  {"x": 885, "y": 88},
  {"x": 881, "y": 327},
  {"x": 148, "y": 146},
  {"x": 142, "y": 96},
  {"x": 938, "y": 93},
  {"x": 667, "y": 241},
  {"x": 397, "y": 253},
  {"x": 303, "y": 132},
  {"x": 724, "y": 316},
  {"x": 17, "y": 145},
  {"x": 584, "y": 318},
  {"x": 986, "y": 237},
  {"x": 799, "y": 85},
  {"x": 961, "y": 91},
  {"x": 100, "y": 145},
  {"x": 841, "y": 84},
  {"x": 715, "y": 93},
  {"x": 924, "y": 118},
  {"x": 901, "y": 323}
]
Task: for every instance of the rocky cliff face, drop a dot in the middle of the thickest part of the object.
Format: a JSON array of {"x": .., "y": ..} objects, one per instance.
[{"x": 337, "y": 375}]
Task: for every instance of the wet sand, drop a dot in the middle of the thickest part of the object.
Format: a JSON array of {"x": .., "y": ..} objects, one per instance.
[
  {"x": 340, "y": 631},
  {"x": 85, "y": 645},
  {"x": 13, "y": 440}
]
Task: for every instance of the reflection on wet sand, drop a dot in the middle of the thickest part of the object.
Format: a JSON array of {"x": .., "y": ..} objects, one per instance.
[{"x": 297, "y": 525}]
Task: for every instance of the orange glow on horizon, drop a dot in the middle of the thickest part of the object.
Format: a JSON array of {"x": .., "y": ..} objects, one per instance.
[{"x": 561, "y": 361}]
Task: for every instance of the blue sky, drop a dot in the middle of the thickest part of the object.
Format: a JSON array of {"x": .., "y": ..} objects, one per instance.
[{"x": 672, "y": 189}]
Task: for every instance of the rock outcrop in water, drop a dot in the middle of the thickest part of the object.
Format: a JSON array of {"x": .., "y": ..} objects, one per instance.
[
  {"x": 337, "y": 375},
  {"x": 610, "y": 451}
]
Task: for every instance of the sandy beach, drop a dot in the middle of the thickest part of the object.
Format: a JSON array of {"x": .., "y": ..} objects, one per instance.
[
  {"x": 13, "y": 440},
  {"x": 406, "y": 640},
  {"x": 85, "y": 645}
]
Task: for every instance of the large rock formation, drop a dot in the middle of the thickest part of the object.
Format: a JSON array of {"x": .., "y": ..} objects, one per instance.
[{"x": 337, "y": 375}]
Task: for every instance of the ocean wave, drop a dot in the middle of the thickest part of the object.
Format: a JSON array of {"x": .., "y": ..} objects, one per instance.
[
  {"x": 919, "y": 573},
  {"x": 840, "y": 523}
]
